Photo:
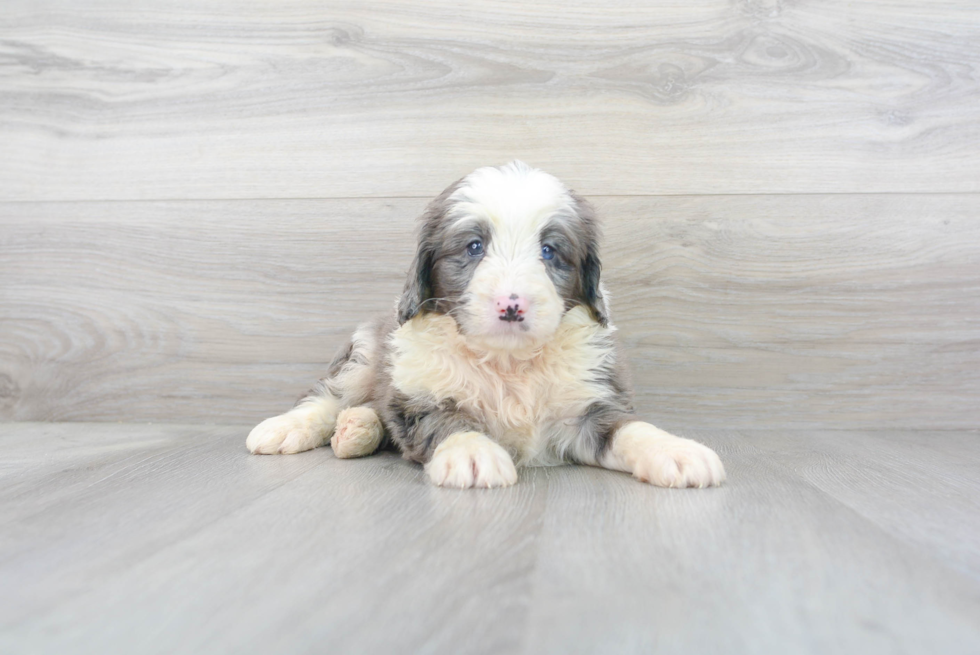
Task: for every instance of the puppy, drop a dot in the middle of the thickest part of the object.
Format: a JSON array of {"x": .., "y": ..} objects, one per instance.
[{"x": 499, "y": 353}]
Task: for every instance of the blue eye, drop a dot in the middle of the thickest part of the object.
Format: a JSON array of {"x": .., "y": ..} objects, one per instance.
[
  {"x": 547, "y": 252},
  {"x": 475, "y": 249}
]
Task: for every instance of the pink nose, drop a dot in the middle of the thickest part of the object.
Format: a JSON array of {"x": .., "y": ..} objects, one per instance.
[{"x": 511, "y": 308}]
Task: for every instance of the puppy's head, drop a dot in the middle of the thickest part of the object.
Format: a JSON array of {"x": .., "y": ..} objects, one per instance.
[{"x": 506, "y": 251}]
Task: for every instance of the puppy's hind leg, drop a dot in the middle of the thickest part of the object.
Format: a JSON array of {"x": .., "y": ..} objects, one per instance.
[
  {"x": 310, "y": 423},
  {"x": 358, "y": 433}
]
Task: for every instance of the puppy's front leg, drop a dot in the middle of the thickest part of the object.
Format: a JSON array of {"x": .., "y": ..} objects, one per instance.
[
  {"x": 304, "y": 427},
  {"x": 471, "y": 459},
  {"x": 661, "y": 458},
  {"x": 451, "y": 446}
]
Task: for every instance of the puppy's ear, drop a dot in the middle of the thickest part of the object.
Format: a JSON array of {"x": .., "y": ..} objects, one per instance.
[
  {"x": 418, "y": 286},
  {"x": 591, "y": 268},
  {"x": 591, "y": 289}
]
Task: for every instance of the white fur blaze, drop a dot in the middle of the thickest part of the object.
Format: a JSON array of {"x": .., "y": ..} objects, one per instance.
[
  {"x": 471, "y": 459},
  {"x": 663, "y": 459},
  {"x": 358, "y": 433},
  {"x": 304, "y": 427}
]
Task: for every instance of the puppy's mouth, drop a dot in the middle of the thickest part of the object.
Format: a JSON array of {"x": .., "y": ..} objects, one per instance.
[
  {"x": 503, "y": 326},
  {"x": 518, "y": 325},
  {"x": 506, "y": 335},
  {"x": 500, "y": 323}
]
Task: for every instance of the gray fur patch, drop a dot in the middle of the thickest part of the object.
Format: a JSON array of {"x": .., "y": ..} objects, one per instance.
[
  {"x": 576, "y": 269},
  {"x": 423, "y": 286},
  {"x": 418, "y": 426}
]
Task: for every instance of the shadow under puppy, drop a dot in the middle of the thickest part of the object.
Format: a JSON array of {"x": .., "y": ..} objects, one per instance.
[{"x": 500, "y": 352}]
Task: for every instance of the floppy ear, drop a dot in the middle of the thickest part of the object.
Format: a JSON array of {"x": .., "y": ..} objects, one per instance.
[
  {"x": 591, "y": 290},
  {"x": 418, "y": 286},
  {"x": 590, "y": 268}
]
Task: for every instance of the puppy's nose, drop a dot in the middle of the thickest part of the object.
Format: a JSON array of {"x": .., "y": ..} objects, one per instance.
[{"x": 511, "y": 307}]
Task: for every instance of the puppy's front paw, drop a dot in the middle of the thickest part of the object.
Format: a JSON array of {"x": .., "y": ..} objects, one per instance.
[
  {"x": 680, "y": 463},
  {"x": 470, "y": 459},
  {"x": 665, "y": 460},
  {"x": 292, "y": 432}
]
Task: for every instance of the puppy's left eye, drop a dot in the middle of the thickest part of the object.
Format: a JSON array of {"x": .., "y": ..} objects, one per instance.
[
  {"x": 475, "y": 249},
  {"x": 547, "y": 252}
]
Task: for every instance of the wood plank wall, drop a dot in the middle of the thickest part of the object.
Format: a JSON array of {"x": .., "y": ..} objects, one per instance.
[{"x": 198, "y": 202}]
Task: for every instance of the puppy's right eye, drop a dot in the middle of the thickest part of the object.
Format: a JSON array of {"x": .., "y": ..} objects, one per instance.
[{"x": 475, "y": 249}]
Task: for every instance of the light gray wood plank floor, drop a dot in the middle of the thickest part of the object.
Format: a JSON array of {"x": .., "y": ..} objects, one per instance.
[{"x": 159, "y": 539}]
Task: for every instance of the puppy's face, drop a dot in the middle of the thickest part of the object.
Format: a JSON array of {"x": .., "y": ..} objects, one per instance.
[{"x": 506, "y": 252}]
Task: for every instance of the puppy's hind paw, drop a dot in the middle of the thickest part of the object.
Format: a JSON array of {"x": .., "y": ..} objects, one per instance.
[
  {"x": 470, "y": 459},
  {"x": 358, "y": 433}
]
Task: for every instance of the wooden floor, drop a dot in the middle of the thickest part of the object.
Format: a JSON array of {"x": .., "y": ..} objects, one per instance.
[{"x": 162, "y": 539}]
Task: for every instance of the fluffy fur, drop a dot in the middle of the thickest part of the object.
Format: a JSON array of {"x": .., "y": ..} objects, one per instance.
[{"x": 499, "y": 353}]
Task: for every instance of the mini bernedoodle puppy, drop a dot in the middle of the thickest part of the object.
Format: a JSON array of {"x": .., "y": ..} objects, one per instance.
[{"x": 500, "y": 352}]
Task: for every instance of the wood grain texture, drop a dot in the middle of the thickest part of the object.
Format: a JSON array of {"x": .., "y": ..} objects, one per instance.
[
  {"x": 769, "y": 564},
  {"x": 116, "y": 100},
  {"x": 802, "y": 311},
  {"x": 161, "y": 539},
  {"x": 434, "y": 571},
  {"x": 921, "y": 489}
]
